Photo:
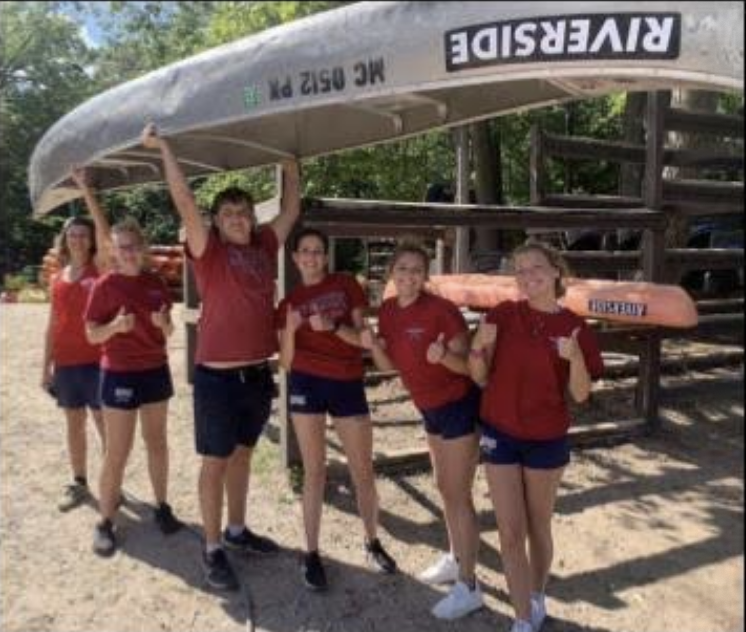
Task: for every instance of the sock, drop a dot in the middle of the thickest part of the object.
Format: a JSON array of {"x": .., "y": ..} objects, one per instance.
[
  {"x": 538, "y": 597},
  {"x": 235, "y": 530},
  {"x": 81, "y": 480},
  {"x": 471, "y": 583},
  {"x": 211, "y": 548}
]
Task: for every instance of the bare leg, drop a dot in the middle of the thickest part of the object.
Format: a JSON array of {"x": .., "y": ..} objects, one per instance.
[
  {"x": 76, "y": 441},
  {"x": 541, "y": 493},
  {"x": 356, "y": 434},
  {"x": 237, "y": 484},
  {"x": 120, "y": 433},
  {"x": 506, "y": 490},
  {"x": 211, "y": 484},
  {"x": 311, "y": 433},
  {"x": 455, "y": 462},
  {"x": 154, "y": 420}
]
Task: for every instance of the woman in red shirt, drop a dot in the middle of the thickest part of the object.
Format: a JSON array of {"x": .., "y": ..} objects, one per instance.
[
  {"x": 526, "y": 354},
  {"x": 425, "y": 338},
  {"x": 70, "y": 367},
  {"x": 128, "y": 314},
  {"x": 319, "y": 325}
]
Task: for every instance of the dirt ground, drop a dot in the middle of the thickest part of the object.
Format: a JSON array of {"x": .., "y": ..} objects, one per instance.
[{"x": 649, "y": 534}]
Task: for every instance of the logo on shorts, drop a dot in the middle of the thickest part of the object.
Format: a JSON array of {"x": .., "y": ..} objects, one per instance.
[
  {"x": 297, "y": 400},
  {"x": 487, "y": 443},
  {"x": 123, "y": 395}
]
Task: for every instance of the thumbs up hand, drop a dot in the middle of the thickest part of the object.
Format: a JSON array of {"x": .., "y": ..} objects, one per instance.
[
  {"x": 437, "y": 350},
  {"x": 161, "y": 318},
  {"x": 123, "y": 323},
  {"x": 319, "y": 322},
  {"x": 486, "y": 335},
  {"x": 568, "y": 347},
  {"x": 294, "y": 319}
]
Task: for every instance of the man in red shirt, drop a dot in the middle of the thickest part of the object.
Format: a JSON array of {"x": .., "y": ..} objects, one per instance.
[{"x": 235, "y": 265}]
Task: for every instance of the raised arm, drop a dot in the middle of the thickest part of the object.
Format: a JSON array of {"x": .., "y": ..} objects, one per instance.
[
  {"x": 82, "y": 180},
  {"x": 290, "y": 203},
  {"x": 182, "y": 196},
  {"x": 287, "y": 338}
]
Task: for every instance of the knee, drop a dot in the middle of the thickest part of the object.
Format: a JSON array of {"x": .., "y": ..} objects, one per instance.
[{"x": 512, "y": 537}]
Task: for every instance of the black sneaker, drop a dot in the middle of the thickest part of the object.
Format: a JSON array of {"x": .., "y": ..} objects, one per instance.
[
  {"x": 104, "y": 540},
  {"x": 74, "y": 496},
  {"x": 249, "y": 542},
  {"x": 314, "y": 576},
  {"x": 378, "y": 558},
  {"x": 218, "y": 571},
  {"x": 166, "y": 520}
]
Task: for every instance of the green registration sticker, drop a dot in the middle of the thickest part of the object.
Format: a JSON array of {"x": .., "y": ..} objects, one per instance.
[{"x": 251, "y": 97}]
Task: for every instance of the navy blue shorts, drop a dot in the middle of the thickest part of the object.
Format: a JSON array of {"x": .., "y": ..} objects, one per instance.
[
  {"x": 77, "y": 386},
  {"x": 454, "y": 419},
  {"x": 314, "y": 395},
  {"x": 498, "y": 448},
  {"x": 128, "y": 390},
  {"x": 231, "y": 407}
]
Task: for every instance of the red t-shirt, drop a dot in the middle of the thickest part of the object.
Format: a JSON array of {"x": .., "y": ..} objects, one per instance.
[
  {"x": 408, "y": 332},
  {"x": 525, "y": 392},
  {"x": 144, "y": 347},
  {"x": 70, "y": 347},
  {"x": 237, "y": 287},
  {"x": 324, "y": 353}
]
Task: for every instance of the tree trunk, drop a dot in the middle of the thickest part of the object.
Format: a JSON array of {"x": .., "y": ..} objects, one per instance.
[{"x": 487, "y": 168}]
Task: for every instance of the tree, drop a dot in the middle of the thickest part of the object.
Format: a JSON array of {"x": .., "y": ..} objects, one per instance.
[{"x": 42, "y": 76}]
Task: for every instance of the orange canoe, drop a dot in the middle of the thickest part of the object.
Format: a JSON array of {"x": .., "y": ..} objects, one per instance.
[{"x": 618, "y": 301}]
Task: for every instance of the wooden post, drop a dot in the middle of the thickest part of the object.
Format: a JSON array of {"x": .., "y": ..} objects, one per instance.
[
  {"x": 461, "y": 246},
  {"x": 287, "y": 277},
  {"x": 653, "y": 254}
]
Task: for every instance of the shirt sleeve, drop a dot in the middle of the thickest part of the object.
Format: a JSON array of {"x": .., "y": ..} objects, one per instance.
[
  {"x": 97, "y": 309},
  {"x": 356, "y": 294},
  {"x": 452, "y": 321}
]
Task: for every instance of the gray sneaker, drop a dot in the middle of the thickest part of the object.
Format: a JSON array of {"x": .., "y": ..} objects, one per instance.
[{"x": 74, "y": 495}]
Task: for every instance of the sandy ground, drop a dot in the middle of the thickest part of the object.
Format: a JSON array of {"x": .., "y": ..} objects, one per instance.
[{"x": 649, "y": 534}]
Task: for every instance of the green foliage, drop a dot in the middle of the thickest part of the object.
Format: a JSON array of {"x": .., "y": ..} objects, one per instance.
[{"x": 42, "y": 76}]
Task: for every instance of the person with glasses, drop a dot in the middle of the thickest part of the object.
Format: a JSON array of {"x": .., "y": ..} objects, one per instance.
[
  {"x": 425, "y": 338},
  {"x": 128, "y": 314},
  {"x": 70, "y": 367},
  {"x": 319, "y": 323},
  {"x": 235, "y": 265},
  {"x": 527, "y": 354}
]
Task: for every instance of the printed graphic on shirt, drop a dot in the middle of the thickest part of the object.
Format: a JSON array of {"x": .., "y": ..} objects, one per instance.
[{"x": 252, "y": 262}]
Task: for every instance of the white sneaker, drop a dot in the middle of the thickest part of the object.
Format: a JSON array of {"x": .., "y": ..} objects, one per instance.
[
  {"x": 538, "y": 613},
  {"x": 519, "y": 625},
  {"x": 459, "y": 602},
  {"x": 445, "y": 570}
]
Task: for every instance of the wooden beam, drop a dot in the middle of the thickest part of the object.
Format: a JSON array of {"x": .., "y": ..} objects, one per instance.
[{"x": 701, "y": 123}]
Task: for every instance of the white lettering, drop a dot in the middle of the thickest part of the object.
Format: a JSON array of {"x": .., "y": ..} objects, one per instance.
[
  {"x": 459, "y": 48},
  {"x": 577, "y": 39},
  {"x": 608, "y": 31},
  {"x": 633, "y": 35},
  {"x": 525, "y": 41},
  {"x": 553, "y": 41},
  {"x": 484, "y": 44},
  {"x": 507, "y": 38},
  {"x": 657, "y": 39}
]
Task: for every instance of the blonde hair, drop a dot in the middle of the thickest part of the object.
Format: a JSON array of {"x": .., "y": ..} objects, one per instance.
[
  {"x": 130, "y": 226},
  {"x": 553, "y": 257}
]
